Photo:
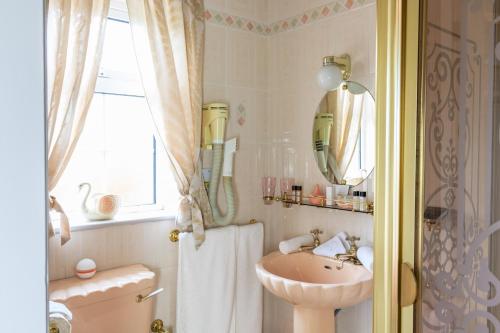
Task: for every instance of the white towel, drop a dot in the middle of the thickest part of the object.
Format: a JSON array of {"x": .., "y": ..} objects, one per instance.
[
  {"x": 206, "y": 281},
  {"x": 247, "y": 315},
  {"x": 365, "y": 255},
  {"x": 331, "y": 247},
  {"x": 343, "y": 237},
  {"x": 294, "y": 244},
  {"x": 59, "y": 308}
]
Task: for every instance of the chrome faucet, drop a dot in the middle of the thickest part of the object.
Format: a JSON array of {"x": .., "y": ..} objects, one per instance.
[{"x": 351, "y": 256}]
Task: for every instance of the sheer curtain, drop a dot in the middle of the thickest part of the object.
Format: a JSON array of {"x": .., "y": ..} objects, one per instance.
[
  {"x": 169, "y": 39},
  {"x": 75, "y": 31},
  {"x": 347, "y": 110}
]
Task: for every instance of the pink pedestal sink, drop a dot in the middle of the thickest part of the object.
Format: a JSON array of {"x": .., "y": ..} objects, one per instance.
[{"x": 314, "y": 286}]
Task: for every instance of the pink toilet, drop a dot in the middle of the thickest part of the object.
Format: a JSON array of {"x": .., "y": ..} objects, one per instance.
[{"x": 107, "y": 303}]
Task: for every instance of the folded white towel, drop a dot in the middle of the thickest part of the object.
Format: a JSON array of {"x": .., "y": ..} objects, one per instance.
[
  {"x": 343, "y": 237},
  {"x": 331, "y": 247},
  {"x": 294, "y": 244},
  {"x": 365, "y": 255}
]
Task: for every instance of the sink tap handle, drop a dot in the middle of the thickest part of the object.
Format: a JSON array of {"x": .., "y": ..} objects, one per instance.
[
  {"x": 352, "y": 241},
  {"x": 315, "y": 233}
]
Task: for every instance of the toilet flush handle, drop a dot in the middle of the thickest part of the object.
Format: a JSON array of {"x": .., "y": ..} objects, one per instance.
[{"x": 142, "y": 298}]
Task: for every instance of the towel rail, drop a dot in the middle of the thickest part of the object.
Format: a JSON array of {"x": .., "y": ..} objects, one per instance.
[{"x": 174, "y": 234}]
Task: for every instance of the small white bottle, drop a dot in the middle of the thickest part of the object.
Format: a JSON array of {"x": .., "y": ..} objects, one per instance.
[
  {"x": 363, "y": 204},
  {"x": 355, "y": 201},
  {"x": 330, "y": 195}
]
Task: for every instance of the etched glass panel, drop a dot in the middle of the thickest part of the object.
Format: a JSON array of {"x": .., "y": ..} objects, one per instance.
[{"x": 460, "y": 259}]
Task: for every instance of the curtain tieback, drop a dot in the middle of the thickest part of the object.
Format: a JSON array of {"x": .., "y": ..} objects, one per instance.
[
  {"x": 190, "y": 215},
  {"x": 189, "y": 210},
  {"x": 64, "y": 224}
]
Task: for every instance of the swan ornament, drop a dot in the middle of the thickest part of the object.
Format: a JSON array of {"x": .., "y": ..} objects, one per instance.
[{"x": 98, "y": 206}]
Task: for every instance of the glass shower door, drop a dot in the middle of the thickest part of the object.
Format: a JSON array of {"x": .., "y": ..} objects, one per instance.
[{"x": 460, "y": 243}]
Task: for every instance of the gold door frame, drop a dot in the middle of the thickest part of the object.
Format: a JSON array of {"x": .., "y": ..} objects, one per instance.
[
  {"x": 417, "y": 231},
  {"x": 398, "y": 168}
]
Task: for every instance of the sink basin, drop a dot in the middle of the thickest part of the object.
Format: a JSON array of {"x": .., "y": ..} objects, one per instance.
[{"x": 315, "y": 287}]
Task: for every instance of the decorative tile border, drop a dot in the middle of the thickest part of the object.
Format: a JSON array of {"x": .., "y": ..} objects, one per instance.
[
  {"x": 307, "y": 17},
  {"x": 317, "y": 14},
  {"x": 237, "y": 22}
]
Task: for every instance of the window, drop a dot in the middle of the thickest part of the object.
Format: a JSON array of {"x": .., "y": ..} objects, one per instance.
[{"x": 117, "y": 151}]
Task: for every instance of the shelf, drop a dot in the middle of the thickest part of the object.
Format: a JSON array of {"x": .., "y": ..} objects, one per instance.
[{"x": 337, "y": 207}]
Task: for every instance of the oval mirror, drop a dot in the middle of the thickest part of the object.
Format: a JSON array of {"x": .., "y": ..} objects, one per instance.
[{"x": 344, "y": 134}]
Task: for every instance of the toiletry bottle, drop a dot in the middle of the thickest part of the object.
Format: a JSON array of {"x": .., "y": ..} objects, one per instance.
[
  {"x": 355, "y": 201},
  {"x": 363, "y": 204},
  {"x": 330, "y": 194},
  {"x": 295, "y": 194},
  {"x": 299, "y": 194}
]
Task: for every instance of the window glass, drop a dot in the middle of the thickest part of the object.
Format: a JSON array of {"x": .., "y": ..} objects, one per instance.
[{"x": 116, "y": 152}]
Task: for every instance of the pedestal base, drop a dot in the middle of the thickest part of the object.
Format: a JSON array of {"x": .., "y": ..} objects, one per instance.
[{"x": 308, "y": 320}]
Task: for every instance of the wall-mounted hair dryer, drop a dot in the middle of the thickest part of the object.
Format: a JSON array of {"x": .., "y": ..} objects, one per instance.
[
  {"x": 215, "y": 116},
  {"x": 323, "y": 122}
]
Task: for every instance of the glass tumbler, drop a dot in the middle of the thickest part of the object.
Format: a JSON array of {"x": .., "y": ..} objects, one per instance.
[{"x": 268, "y": 188}]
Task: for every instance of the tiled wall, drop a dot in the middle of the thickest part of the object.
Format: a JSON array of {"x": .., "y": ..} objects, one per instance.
[
  {"x": 268, "y": 78},
  {"x": 236, "y": 67},
  {"x": 294, "y": 59}
]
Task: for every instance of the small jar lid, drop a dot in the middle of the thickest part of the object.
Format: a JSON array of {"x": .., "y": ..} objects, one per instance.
[
  {"x": 355, "y": 193},
  {"x": 362, "y": 194}
]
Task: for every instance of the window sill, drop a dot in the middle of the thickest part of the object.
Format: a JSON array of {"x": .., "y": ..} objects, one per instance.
[{"x": 79, "y": 223}]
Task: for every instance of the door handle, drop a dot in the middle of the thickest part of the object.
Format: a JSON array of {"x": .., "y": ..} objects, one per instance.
[{"x": 408, "y": 288}]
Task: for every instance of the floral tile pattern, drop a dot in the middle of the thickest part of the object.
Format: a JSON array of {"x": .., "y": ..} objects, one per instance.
[{"x": 307, "y": 17}]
